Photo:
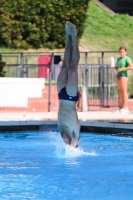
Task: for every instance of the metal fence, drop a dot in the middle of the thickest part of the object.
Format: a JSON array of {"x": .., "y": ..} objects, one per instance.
[
  {"x": 99, "y": 81},
  {"x": 94, "y": 72}
]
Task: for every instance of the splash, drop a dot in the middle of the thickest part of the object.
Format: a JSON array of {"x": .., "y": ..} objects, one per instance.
[{"x": 63, "y": 150}]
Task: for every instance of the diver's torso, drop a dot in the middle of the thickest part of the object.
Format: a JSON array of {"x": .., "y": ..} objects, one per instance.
[{"x": 67, "y": 116}]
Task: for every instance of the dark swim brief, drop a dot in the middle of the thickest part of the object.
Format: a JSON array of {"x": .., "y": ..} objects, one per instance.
[
  {"x": 64, "y": 96},
  {"x": 121, "y": 75}
]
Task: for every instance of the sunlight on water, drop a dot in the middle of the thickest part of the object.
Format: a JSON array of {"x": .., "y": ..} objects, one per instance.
[{"x": 63, "y": 150}]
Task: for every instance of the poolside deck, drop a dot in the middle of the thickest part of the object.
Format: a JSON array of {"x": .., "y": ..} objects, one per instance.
[
  {"x": 107, "y": 115},
  {"x": 95, "y": 121}
]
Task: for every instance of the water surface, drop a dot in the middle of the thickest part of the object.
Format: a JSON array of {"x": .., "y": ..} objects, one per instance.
[{"x": 38, "y": 165}]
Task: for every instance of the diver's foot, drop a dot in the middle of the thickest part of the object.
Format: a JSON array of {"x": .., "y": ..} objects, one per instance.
[
  {"x": 73, "y": 29},
  {"x": 70, "y": 28},
  {"x": 68, "y": 36},
  {"x": 67, "y": 28}
]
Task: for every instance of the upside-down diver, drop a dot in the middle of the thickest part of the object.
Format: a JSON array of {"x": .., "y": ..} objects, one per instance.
[{"x": 67, "y": 86}]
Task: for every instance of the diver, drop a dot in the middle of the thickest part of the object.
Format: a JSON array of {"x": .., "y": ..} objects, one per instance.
[{"x": 67, "y": 86}]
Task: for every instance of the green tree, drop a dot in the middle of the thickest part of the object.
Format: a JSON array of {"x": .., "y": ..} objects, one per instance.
[
  {"x": 130, "y": 86},
  {"x": 2, "y": 69},
  {"x": 40, "y": 23}
]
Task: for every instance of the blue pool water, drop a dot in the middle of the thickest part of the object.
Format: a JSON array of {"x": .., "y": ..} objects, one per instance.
[{"x": 38, "y": 165}]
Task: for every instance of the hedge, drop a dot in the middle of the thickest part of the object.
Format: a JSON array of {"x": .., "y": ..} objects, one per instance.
[
  {"x": 35, "y": 24},
  {"x": 2, "y": 69}
]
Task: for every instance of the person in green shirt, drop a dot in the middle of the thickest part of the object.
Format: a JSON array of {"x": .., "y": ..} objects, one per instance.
[{"x": 123, "y": 64}]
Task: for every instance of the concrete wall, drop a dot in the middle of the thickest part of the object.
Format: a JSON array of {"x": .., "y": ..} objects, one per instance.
[
  {"x": 27, "y": 94},
  {"x": 16, "y": 91}
]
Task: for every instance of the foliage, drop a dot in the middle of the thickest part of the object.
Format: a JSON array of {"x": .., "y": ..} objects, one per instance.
[
  {"x": 113, "y": 91},
  {"x": 102, "y": 22},
  {"x": 107, "y": 32},
  {"x": 2, "y": 69},
  {"x": 53, "y": 82},
  {"x": 130, "y": 86},
  {"x": 40, "y": 23}
]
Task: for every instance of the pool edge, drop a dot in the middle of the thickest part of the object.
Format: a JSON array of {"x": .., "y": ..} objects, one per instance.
[{"x": 104, "y": 127}]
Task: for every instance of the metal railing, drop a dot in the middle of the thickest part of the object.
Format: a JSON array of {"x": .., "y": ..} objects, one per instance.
[{"x": 94, "y": 72}]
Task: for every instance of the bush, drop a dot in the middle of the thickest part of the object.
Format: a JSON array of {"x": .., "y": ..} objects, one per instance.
[
  {"x": 34, "y": 24},
  {"x": 130, "y": 86},
  {"x": 2, "y": 69}
]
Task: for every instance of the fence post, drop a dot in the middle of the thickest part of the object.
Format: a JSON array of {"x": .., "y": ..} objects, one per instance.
[
  {"x": 0, "y": 57},
  {"x": 102, "y": 81},
  {"x": 85, "y": 87},
  {"x": 49, "y": 89},
  {"x": 107, "y": 89},
  {"x": 101, "y": 84},
  {"x": 86, "y": 72},
  {"x": 22, "y": 65},
  {"x": 102, "y": 58}
]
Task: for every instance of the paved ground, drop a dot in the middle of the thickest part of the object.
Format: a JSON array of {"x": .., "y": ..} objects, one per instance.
[
  {"x": 83, "y": 116},
  {"x": 108, "y": 122}
]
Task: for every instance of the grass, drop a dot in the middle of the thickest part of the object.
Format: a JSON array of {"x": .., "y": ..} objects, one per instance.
[
  {"x": 53, "y": 82},
  {"x": 105, "y": 32}
]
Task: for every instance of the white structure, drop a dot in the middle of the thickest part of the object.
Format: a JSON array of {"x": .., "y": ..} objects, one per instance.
[
  {"x": 14, "y": 92},
  {"x": 84, "y": 99}
]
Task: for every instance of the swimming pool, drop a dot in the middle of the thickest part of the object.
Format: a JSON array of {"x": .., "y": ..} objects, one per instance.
[{"x": 38, "y": 165}]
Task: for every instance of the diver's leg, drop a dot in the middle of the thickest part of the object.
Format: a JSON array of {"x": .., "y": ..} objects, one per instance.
[
  {"x": 72, "y": 81},
  {"x": 68, "y": 46},
  {"x": 75, "y": 136},
  {"x": 66, "y": 138},
  {"x": 62, "y": 78}
]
